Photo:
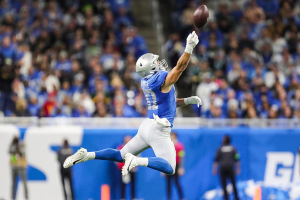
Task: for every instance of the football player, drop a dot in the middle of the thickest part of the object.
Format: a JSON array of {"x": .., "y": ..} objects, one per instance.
[{"x": 154, "y": 132}]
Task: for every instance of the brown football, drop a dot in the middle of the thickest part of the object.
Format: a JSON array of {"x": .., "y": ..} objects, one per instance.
[{"x": 200, "y": 16}]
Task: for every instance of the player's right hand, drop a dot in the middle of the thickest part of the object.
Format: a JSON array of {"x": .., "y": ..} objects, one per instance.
[{"x": 191, "y": 41}]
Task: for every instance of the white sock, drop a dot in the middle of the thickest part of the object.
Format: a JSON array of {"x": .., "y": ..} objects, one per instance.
[
  {"x": 142, "y": 161},
  {"x": 91, "y": 155}
]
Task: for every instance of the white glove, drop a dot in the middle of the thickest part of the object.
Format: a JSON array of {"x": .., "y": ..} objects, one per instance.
[
  {"x": 191, "y": 41},
  {"x": 193, "y": 100},
  {"x": 161, "y": 121}
]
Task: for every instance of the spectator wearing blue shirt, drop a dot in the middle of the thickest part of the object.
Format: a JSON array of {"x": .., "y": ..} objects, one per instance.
[
  {"x": 216, "y": 111},
  {"x": 124, "y": 111},
  {"x": 236, "y": 12},
  {"x": 223, "y": 89},
  {"x": 97, "y": 75},
  {"x": 29, "y": 90},
  {"x": 123, "y": 18},
  {"x": 136, "y": 42},
  {"x": 8, "y": 49},
  {"x": 81, "y": 112},
  {"x": 271, "y": 7},
  {"x": 42, "y": 96},
  {"x": 106, "y": 58},
  {"x": 264, "y": 112},
  {"x": 33, "y": 106},
  {"x": 53, "y": 13},
  {"x": 60, "y": 113},
  {"x": 35, "y": 30},
  {"x": 64, "y": 91},
  {"x": 6, "y": 8},
  {"x": 116, "y": 4},
  {"x": 63, "y": 64},
  {"x": 78, "y": 83},
  {"x": 212, "y": 30}
]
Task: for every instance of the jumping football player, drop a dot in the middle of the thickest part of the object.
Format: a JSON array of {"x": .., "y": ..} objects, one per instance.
[{"x": 154, "y": 132}]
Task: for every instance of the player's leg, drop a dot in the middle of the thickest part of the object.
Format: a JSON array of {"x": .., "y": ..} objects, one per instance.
[
  {"x": 134, "y": 146},
  {"x": 159, "y": 139},
  {"x": 163, "y": 148},
  {"x": 82, "y": 155}
]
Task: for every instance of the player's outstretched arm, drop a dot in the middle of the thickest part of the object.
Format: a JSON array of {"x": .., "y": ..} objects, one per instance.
[
  {"x": 189, "y": 100},
  {"x": 182, "y": 63}
]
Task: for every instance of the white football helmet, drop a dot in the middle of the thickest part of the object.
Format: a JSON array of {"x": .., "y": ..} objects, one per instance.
[{"x": 148, "y": 64}]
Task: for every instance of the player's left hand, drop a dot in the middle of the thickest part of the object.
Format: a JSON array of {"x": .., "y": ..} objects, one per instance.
[
  {"x": 193, "y": 100},
  {"x": 180, "y": 171},
  {"x": 191, "y": 41}
]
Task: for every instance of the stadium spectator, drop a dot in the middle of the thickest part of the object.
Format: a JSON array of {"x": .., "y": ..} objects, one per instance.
[
  {"x": 75, "y": 48},
  {"x": 81, "y": 112},
  {"x": 260, "y": 52},
  {"x": 187, "y": 18},
  {"x": 224, "y": 19},
  {"x": 21, "y": 108},
  {"x": 7, "y": 76}
]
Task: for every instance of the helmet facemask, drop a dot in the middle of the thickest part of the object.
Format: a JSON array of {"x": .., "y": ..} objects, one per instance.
[{"x": 159, "y": 65}]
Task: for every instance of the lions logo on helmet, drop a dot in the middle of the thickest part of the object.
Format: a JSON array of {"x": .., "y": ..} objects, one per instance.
[{"x": 148, "y": 64}]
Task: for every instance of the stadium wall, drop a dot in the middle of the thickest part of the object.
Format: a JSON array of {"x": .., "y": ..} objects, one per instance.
[{"x": 267, "y": 155}]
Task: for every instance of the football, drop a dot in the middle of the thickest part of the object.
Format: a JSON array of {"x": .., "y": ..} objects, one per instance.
[{"x": 200, "y": 16}]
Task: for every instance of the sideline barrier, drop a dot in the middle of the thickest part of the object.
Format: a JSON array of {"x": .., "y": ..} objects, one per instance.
[
  {"x": 180, "y": 122},
  {"x": 268, "y": 155}
]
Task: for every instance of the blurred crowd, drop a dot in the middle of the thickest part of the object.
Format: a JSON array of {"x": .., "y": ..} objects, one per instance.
[
  {"x": 69, "y": 58},
  {"x": 77, "y": 58},
  {"x": 247, "y": 62}
]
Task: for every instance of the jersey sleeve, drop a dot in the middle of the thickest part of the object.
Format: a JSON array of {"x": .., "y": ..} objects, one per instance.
[{"x": 158, "y": 80}]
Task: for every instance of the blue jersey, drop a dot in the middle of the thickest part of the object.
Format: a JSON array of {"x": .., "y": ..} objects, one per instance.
[{"x": 161, "y": 104}]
